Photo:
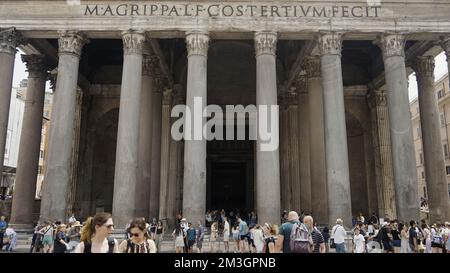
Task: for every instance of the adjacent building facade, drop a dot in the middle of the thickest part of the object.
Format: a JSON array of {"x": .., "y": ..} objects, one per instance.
[
  {"x": 442, "y": 96},
  {"x": 338, "y": 72}
]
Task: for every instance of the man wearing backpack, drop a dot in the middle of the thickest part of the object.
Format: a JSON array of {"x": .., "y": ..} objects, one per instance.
[
  {"x": 338, "y": 234},
  {"x": 284, "y": 235}
]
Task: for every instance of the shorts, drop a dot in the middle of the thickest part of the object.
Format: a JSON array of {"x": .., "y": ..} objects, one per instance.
[
  {"x": 397, "y": 243},
  {"x": 388, "y": 246},
  {"x": 242, "y": 237},
  {"x": 191, "y": 243},
  {"x": 436, "y": 245},
  {"x": 48, "y": 240},
  {"x": 226, "y": 237}
]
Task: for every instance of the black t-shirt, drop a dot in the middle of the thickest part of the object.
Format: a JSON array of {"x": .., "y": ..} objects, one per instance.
[
  {"x": 412, "y": 234},
  {"x": 58, "y": 246},
  {"x": 268, "y": 241},
  {"x": 159, "y": 230},
  {"x": 395, "y": 234}
]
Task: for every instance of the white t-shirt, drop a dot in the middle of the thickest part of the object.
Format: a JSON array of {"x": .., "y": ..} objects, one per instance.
[
  {"x": 339, "y": 234},
  {"x": 360, "y": 243}
]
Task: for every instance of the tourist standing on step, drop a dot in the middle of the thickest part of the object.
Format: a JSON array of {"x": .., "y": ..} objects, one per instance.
[
  {"x": 11, "y": 239},
  {"x": 200, "y": 236},
  {"x": 404, "y": 237},
  {"x": 316, "y": 235},
  {"x": 213, "y": 236},
  {"x": 3, "y": 226},
  {"x": 338, "y": 233},
  {"x": 284, "y": 236},
  {"x": 60, "y": 242},
  {"x": 159, "y": 235},
  {"x": 179, "y": 234},
  {"x": 243, "y": 234},
  {"x": 359, "y": 243},
  {"x": 140, "y": 242},
  {"x": 226, "y": 234},
  {"x": 191, "y": 236},
  {"x": 74, "y": 235},
  {"x": 95, "y": 235},
  {"x": 47, "y": 232},
  {"x": 258, "y": 238}
]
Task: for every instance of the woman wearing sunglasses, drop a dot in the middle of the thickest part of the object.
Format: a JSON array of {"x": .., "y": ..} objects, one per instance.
[
  {"x": 95, "y": 233},
  {"x": 139, "y": 241}
]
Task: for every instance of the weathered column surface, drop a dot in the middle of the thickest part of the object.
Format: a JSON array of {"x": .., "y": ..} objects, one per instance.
[
  {"x": 318, "y": 184},
  {"x": 405, "y": 172},
  {"x": 336, "y": 153},
  {"x": 58, "y": 170},
  {"x": 30, "y": 142},
  {"x": 149, "y": 78},
  {"x": 126, "y": 171},
  {"x": 438, "y": 199},
  {"x": 9, "y": 40},
  {"x": 267, "y": 155},
  {"x": 194, "y": 181}
]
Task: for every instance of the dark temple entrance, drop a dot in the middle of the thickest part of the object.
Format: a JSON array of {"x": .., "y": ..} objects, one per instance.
[{"x": 230, "y": 182}]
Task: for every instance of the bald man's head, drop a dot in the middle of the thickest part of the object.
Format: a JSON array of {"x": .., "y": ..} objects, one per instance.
[{"x": 292, "y": 216}]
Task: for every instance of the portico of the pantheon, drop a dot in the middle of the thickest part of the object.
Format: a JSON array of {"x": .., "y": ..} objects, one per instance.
[{"x": 337, "y": 69}]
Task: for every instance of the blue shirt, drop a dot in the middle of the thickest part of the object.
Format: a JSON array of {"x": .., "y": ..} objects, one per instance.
[
  {"x": 191, "y": 234},
  {"x": 3, "y": 226},
  {"x": 243, "y": 228}
]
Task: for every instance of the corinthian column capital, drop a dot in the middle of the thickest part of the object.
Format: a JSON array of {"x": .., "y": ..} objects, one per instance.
[
  {"x": 445, "y": 44},
  {"x": 197, "y": 43},
  {"x": 265, "y": 43},
  {"x": 391, "y": 44},
  {"x": 424, "y": 66},
  {"x": 71, "y": 42},
  {"x": 9, "y": 40},
  {"x": 313, "y": 67},
  {"x": 330, "y": 43},
  {"x": 36, "y": 65},
  {"x": 133, "y": 42}
]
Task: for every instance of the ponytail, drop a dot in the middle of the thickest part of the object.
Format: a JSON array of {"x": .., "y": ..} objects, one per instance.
[
  {"x": 89, "y": 227},
  {"x": 86, "y": 231}
]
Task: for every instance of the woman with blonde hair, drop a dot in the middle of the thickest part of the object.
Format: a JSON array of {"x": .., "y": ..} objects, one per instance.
[
  {"x": 139, "y": 241},
  {"x": 213, "y": 236},
  {"x": 95, "y": 233},
  {"x": 60, "y": 244},
  {"x": 270, "y": 232}
]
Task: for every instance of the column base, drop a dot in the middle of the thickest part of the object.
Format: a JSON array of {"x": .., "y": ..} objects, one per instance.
[{"x": 22, "y": 228}]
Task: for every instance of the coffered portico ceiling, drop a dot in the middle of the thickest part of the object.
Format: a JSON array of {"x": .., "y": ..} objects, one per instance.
[{"x": 301, "y": 19}]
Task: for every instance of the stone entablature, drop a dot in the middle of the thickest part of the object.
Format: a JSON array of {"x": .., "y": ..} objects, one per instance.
[{"x": 360, "y": 19}]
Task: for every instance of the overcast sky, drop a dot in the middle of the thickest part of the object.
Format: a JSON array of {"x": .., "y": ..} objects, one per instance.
[{"x": 441, "y": 70}]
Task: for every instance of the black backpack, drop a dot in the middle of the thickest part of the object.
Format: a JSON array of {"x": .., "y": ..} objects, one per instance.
[{"x": 88, "y": 246}]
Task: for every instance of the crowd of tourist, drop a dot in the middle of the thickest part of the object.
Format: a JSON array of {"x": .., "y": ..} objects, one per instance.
[{"x": 233, "y": 232}]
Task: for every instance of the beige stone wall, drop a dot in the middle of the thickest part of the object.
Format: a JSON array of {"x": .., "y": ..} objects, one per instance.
[
  {"x": 172, "y": 18},
  {"x": 442, "y": 87}
]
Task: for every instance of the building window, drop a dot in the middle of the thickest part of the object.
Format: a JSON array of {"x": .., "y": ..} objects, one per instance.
[
  {"x": 425, "y": 192},
  {"x": 442, "y": 119},
  {"x": 421, "y": 158},
  {"x": 446, "y": 150},
  {"x": 447, "y": 168},
  {"x": 42, "y": 154},
  {"x": 440, "y": 93},
  {"x": 417, "y": 110},
  {"x": 423, "y": 175},
  {"x": 418, "y": 132}
]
